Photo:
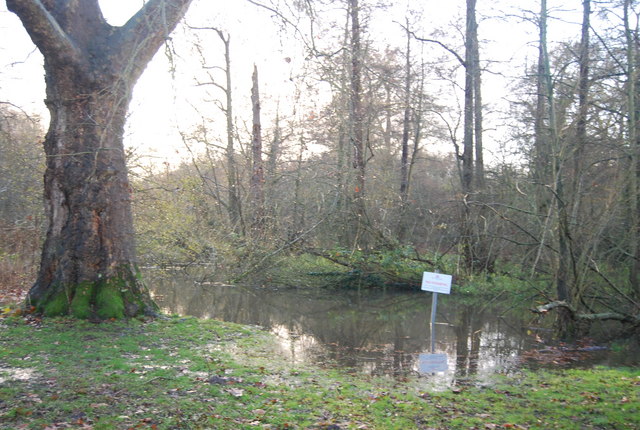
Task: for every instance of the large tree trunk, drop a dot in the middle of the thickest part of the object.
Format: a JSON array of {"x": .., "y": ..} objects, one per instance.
[
  {"x": 88, "y": 265},
  {"x": 88, "y": 257}
]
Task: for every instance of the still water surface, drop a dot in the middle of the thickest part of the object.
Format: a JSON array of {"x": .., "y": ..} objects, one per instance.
[{"x": 372, "y": 332}]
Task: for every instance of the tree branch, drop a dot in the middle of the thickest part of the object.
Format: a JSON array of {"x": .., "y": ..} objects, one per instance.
[
  {"x": 45, "y": 31},
  {"x": 437, "y": 42},
  {"x": 543, "y": 309},
  {"x": 215, "y": 84},
  {"x": 3, "y": 112},
  {"x": 141, "y": 37}
]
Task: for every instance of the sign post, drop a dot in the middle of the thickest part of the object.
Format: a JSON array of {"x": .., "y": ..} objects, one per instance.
[
  {"x": 434, "y": 306},
  {"x": 436, "y": 283},
  {"x": 432, "y": 363}
]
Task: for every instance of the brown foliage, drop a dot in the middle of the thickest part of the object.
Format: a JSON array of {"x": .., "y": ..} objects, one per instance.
[{"x": 19, "y": 256}]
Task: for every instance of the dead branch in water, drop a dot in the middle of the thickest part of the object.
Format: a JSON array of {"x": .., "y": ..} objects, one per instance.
[{"x": 630, "y": 319}]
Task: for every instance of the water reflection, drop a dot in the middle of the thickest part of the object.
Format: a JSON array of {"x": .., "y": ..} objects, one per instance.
[{"x": 374, "y": 332}]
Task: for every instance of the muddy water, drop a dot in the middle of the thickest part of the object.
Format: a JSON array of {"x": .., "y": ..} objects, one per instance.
[{"x": 375, "y": 332}]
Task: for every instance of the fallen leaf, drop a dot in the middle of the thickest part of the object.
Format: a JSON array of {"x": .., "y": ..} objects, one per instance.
[{"x": 235, "y": 392}]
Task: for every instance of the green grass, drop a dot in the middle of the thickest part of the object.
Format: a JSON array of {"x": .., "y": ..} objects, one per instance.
[{"x": 192, "y": 374}]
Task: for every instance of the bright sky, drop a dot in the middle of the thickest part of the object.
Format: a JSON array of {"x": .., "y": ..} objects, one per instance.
[
  {"x": 161, "y": 101},
  {"x": 164, "y": 103}
]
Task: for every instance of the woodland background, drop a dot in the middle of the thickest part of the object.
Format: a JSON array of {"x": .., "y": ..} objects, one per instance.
[{"x": 388, "y": 158}]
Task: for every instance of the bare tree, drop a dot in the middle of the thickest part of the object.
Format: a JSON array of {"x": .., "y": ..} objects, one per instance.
[
  {"x": 257, "y": 177},
  {"x": 234, "y": 206},
  {"x": 412, "y": 118},
  {"x": 234, "y": 201}
]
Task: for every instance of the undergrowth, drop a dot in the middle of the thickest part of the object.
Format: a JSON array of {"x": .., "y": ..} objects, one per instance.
[
  {"x": 399, "y": 269},
  {"x": 19, "y": 256}
]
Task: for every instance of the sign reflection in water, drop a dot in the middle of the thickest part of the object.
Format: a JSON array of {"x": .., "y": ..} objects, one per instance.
[{"x": 375, "y": 332}]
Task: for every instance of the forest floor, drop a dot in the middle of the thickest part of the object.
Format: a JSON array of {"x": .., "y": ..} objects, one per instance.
[{"x": 185, "y": 373}]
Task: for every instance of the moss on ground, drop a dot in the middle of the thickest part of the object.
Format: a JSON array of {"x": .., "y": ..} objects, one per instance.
[{"x": 187, "y": 373}]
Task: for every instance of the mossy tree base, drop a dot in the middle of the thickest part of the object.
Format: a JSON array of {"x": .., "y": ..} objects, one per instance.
[{"x": 120, "y": 296}]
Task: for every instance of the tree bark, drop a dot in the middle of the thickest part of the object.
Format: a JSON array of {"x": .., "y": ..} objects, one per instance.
[
  {"x": 356, "y": 100},
  {"x": 344, "y": 176},
  {"x": 541, "y": 144},
  {"x": 469, "y": 237},
  {"x": 476, "y": 74},
  {"x": 297, "y": 225},
  {"x": 583, "y": 93},
  {"x": 257, "y": 178},
  {"x": 88, "y": 266},
  {"x": 272, "y": 170},
  {"x": 417, "y": 125},
  {"x": 562, "y": 228},
  {"x": 358, "y": 125},
  {"x": 404, "y": 157},
  {"x": 541, "y": 152},
  {"x": 563, "y": 285},
  {"x": 467, "y": 145},
  {"x": 575, "y": 191},
  {"x": 634, "y": 151}
]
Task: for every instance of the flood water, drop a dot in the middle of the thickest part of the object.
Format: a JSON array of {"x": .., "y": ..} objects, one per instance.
[{"x": 377, "y": 332}]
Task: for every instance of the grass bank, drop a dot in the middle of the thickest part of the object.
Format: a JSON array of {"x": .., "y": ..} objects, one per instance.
[{"x": 184, "y": 373}]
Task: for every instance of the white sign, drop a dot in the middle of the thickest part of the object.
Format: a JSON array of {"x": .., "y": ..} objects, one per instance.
[
  {"x": 431, "y": 363},
  {"x": 436, "y": 282}
]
